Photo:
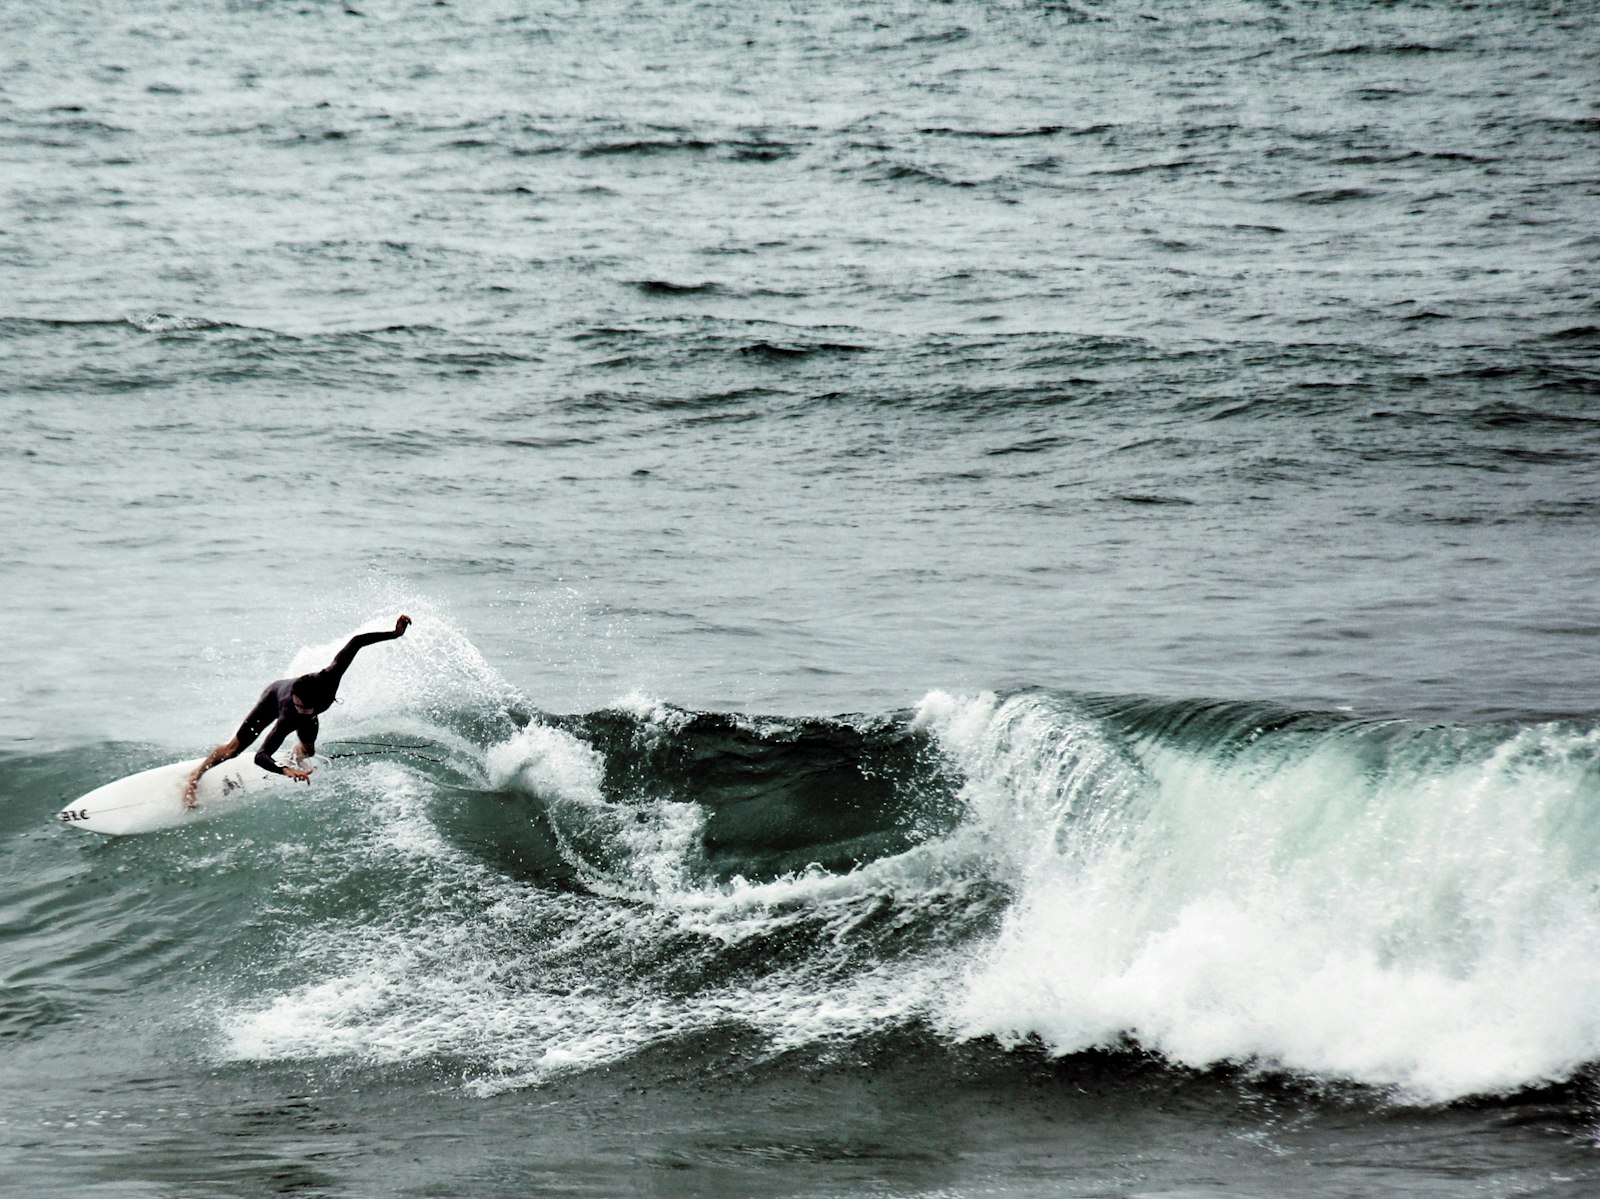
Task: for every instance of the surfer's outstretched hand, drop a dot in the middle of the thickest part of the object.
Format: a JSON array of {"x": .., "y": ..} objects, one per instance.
[
  {"x": 298, "y": 775},
  {"x": 401, "y": 625}
]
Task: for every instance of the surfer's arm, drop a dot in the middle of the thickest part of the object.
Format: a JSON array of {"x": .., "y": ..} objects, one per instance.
[
  {"x": 275, "y": 738},
  {"x": 342, "y": 660}
]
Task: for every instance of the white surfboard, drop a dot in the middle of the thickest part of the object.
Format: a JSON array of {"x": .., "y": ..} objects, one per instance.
[{"x": 153, "y": 799}]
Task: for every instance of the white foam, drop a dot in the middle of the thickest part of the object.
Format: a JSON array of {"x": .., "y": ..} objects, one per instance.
[
  {"x": 1410, "y": 925},
  {"x": 652, "y": 710},
  {"x": 547, "y": 761},
  {"x": 633, "y": 851},
  {"x": 474, "y": 989}
]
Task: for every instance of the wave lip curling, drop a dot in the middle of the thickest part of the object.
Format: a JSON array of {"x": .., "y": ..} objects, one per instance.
[{"x": 1402, "y": 907}]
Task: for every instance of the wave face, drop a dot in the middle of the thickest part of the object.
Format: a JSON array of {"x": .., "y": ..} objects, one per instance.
[
  {"x": 632, "y": 879},
  {"x": 1400, "y": 906}
]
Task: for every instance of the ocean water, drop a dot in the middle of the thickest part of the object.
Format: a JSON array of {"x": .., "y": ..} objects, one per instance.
[{"x": 1006, "y": 597}]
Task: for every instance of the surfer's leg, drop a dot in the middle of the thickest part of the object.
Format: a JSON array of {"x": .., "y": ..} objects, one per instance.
[
  {"x": 254, "y": 724},
  {"x": 228, "y": 749},
  {"x": 262, "y": 715}
]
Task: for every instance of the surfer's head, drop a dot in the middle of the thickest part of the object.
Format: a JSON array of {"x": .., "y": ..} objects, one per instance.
[{"x": 311, "y": 694}]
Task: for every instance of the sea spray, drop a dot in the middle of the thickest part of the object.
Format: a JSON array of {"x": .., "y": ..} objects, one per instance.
[{"x": 433, "y": 678}]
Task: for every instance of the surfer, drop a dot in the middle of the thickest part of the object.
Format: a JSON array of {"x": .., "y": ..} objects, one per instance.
[{"x": 294, "y": 705}]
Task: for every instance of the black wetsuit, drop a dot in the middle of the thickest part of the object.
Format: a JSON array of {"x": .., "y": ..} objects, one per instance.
[{"x": 277, "y": 704}]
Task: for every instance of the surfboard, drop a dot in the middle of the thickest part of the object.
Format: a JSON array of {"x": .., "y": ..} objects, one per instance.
[{"x": 153, "y": 799}]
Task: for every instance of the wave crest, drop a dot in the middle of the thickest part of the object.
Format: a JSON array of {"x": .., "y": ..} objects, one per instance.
[{"x": 1399, "y": 906}]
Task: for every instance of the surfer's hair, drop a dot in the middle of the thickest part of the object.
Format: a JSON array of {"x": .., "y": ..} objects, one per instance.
[{"x": 312, "y": 688}]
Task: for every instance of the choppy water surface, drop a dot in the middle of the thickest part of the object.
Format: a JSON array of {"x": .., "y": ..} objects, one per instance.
[{"x": 1005, "y": 597}]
